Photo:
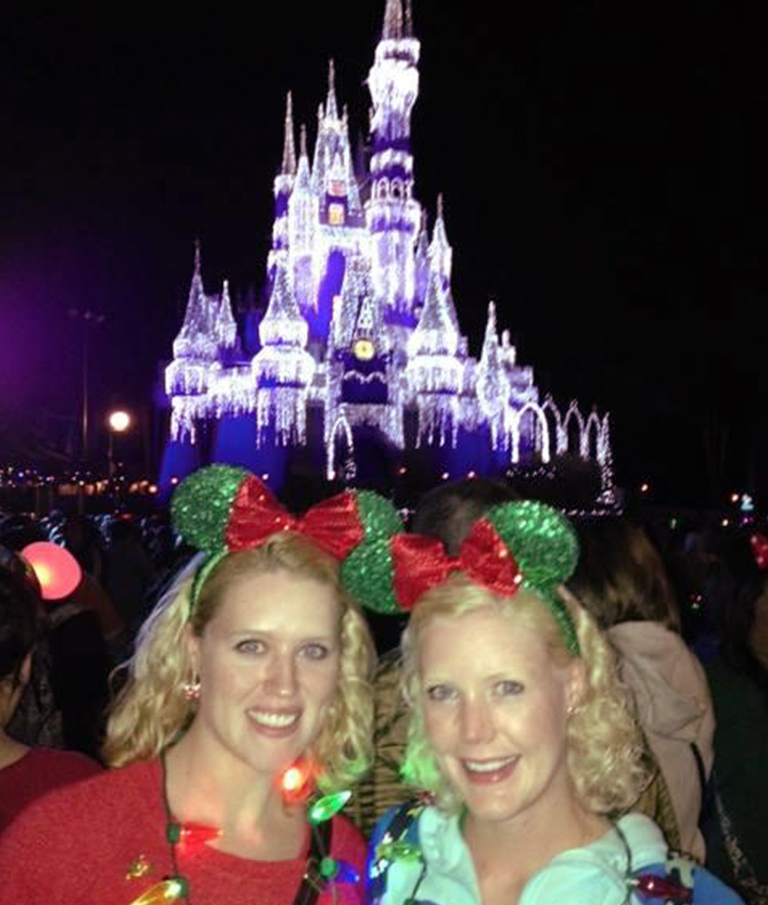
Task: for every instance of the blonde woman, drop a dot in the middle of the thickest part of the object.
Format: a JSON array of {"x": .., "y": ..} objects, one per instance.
[
  {"x": 249, "y": 681},
  {"x": 520, "y": 735}
]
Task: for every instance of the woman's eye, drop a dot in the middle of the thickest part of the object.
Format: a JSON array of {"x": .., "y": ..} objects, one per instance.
[
  {"x": 440, "y": 693},
  {"x": 509, "y": 687},
  {"x": 250, "y": 646},
  {"x": 315, "y": 651}
]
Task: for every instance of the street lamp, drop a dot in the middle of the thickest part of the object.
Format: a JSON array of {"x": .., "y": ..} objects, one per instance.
[
  {"x": 119, "y": 421},
  {"x": 87, "y": 320}
]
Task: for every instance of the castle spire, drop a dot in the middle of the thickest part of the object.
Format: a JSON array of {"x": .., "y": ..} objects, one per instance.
[
  {"x": 440, "y": 251},
  {"x": 282, "y": 324},
  {"x": 225, "y": 326},
  {"x": 408, "y": 26},
  {"x": 393, "y": 20},
  {"x": 289, "y": 148},
  {"x": 331, "y": 107},
  {"x": 490, "y": 373},
  {"x": 193, "y": 340},
  {"x": 435, "y": 333}
]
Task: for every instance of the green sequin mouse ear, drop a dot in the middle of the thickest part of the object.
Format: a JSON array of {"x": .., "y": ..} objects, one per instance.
[
  {"x": 366, "y": 572},
  {"x": 378, "y": 516},
  {"x": 368, "y": 575},
  {"x": 542, "y": 541},
  {"x": 546, "y": 550},
  {"x": 202, "y": 503}
]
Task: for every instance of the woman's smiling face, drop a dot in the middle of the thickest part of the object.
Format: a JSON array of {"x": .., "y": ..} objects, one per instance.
[
  {"x": 495, "y": 711},
  {"x": 268, "y": 662}
]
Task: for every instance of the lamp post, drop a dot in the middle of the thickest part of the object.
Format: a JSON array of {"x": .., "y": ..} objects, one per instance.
[
  {"x": 118, "y": 421},
  {"x": 88, "y": 319}
]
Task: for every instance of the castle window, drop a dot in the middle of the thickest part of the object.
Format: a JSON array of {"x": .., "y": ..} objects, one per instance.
[
  {"x": 336, "y": 188},
  {"x": 336, "y": 214}
]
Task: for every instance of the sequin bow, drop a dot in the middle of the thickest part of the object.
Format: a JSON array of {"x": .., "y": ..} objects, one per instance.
[
  {"x": 759, "y": 545},
  {"x": 255, "y": 515},
  {"x": 421, "y": 563}
]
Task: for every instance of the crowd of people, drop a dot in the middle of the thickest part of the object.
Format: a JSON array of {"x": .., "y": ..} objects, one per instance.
[{"x": 575, "y": 712}]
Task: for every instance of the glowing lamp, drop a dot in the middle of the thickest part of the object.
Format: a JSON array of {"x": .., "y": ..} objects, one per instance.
[
  {"x": 57, "y": 570},
  {"x": 119, "y": 421}
]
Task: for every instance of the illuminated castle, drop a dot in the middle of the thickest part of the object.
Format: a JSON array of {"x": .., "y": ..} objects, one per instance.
[{"x": 360, "y": 337}]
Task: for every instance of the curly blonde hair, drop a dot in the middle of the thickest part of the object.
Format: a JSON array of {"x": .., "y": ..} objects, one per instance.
[
  {"x": 605, "y": 753},
  {"x": 151, "y": 711}
]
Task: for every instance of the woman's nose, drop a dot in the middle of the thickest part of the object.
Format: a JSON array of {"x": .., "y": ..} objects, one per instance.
[
  {"x": 476, "y": 722},
  {"x": 281, "y": 675}
]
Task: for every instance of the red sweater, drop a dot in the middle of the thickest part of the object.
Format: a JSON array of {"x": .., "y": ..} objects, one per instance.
[
  {"x": 83, "y": 843},
  {"x": 34, "y": 774}
]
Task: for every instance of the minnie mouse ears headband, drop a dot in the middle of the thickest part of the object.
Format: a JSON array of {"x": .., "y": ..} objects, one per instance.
[
  {"x": 221, "y": 509},
  {"x": 516, "y": 545}
]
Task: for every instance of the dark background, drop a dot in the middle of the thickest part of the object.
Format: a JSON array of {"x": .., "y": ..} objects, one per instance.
[{"x": 599, "y": 161}]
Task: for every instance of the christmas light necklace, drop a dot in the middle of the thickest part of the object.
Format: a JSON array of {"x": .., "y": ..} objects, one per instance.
[{"x": 320, "y": 872}]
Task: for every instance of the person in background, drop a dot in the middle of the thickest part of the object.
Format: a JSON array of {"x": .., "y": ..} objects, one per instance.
[
  {"x": 26, "y": 773},
  {"x": 249, "y": 688},
  {"x": 622, "y": 581},
  {"x": 735, "y": 657}
]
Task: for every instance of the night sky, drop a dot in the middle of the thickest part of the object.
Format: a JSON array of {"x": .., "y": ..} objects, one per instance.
[{"x": 598, "y": 160}]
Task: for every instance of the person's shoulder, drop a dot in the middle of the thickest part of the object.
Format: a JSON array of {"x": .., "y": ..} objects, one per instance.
[
  {"x": 101, "y": 796},
  {"x": 599, "y": 873},
  {"x": 65, "y": 765}
]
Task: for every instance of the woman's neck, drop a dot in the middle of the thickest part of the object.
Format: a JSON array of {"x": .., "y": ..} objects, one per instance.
[
  {"x": 536, "y": 836},
  {"x": 246, "y": 806}
]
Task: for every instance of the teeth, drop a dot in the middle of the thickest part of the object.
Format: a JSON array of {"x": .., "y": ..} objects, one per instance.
[
  {"x": 274, "y": 720},
  {"x": 488, "y": 766}
]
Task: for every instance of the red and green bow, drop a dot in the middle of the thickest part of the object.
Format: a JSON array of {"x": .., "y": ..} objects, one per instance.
[
  {"x": 221, "y": 510},
  {"x": 523, "y": 544}
]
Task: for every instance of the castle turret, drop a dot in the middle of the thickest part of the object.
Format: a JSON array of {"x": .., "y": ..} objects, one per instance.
[
  {"x": 302, "y": 230},
  {"x": 392, "y": 215},
  {"x": 492, "y": 386},
  {"x": 283, "y": 186},
  {"x": 224, "y": 324},
  {"x": 434, "y": 373},
  {"x": 195, "y": 351},
  {"x": 282, "y": 369},
  {"x": 332, "y": 143}
]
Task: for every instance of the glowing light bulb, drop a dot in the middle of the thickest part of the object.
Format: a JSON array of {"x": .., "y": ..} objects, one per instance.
[
  {"x": 170, "y": 890},
  {"x": 325, "y": 808}
]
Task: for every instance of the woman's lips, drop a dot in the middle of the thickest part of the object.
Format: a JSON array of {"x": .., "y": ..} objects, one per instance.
[
  {"x": 274, "y": 723},
  {"x": 487, "y": 772}
]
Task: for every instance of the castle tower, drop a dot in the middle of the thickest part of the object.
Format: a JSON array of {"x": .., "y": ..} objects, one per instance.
[
  {"x": 332, "y": 151},
  {"x": 492, "y": 386},
  {"x": 195, "y": 349},
  {"x": 302, "y": 231},
  {"x": 392, "y": 215},
  {"x": 282, "y": 369},
  {"x": 434, "y": 373},
  {"x": 283, "y": 186}
]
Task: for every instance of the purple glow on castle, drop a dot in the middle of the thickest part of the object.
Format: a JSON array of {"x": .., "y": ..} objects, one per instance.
[{"x": 360, "y": 341}]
